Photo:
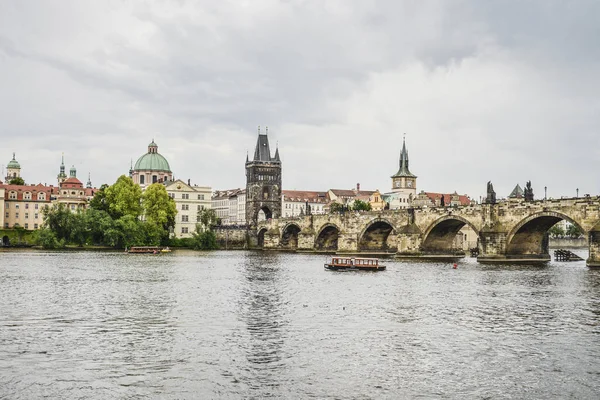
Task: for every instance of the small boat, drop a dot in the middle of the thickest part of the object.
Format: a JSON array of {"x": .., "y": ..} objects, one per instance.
[
  {"x": 148, "y": 250},
  {"x": 365, "y": 264}
]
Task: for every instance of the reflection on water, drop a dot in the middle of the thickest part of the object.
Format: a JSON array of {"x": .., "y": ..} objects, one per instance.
[{"x": 270, "y": 325}]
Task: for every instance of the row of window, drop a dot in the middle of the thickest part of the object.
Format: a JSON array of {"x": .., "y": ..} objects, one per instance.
[
  {"x": 12, "y": 195},
  {"x": 186, "y": 196},
  {"x": 7, "y": 215},
  {"x": 36, "y": 206},
  {"x": 35, "y": 226}
]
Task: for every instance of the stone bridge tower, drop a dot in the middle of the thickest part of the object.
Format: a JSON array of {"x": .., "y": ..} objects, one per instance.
[{"x": 263, "y": 183}]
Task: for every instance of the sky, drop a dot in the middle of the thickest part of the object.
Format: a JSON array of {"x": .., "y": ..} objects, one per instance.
[{"x": 499, "y": 90}]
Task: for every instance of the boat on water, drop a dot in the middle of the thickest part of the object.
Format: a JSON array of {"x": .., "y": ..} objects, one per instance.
[
  {"x": 147, "y": 250},
  {"x": 365, "y": 264}
]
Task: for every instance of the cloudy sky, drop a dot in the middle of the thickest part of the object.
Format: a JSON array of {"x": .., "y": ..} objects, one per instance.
[{"x": 506, "y": 91}]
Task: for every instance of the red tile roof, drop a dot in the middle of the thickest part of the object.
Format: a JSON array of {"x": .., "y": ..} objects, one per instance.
[{"x": 351, "y": 192}]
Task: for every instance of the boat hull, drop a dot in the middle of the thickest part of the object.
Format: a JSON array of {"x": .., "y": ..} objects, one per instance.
[{"x": 353, "y": 267}]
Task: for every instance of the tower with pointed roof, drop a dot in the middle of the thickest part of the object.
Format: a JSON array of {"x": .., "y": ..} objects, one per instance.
[
  {"x": 404, "y": 181},
  {"x": 62, "y": 176},
  {"x": 13, "y": 169},
  {"x": 263, "y": 182}
]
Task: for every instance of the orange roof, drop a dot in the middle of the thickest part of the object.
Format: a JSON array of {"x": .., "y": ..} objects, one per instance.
[{"x": 352, "y": 192}]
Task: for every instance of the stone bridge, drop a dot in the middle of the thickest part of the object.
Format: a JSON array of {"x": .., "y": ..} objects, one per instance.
[{"x": 513, "y": 230}]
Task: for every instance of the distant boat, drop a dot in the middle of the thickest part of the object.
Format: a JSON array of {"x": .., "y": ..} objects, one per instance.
[
  {"x": 365, "y": 264},
  {"x": 147, "y": 250}
]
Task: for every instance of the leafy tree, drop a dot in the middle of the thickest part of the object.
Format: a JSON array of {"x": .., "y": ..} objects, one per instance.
[
  {"x": 159, "y": 208},
  {"x": 335, "y": 207},
  {"x": 360, "y": 205},
  {"x": 207, "y": 218},
  {"x": 78, "y": 229},
  {"x": 123, "y": 198},
  {"x": 556, "y": 231},
  {"x": 205, "y": 241},
  {"x": 47, "y": 239},
  {"x": 97, "y": 223},
  {"x": 59, "y": 220},
  {"x": 574, "y": 232},
  {"x": 98, "y": 202},
  {"x": 16, "y": 181}
]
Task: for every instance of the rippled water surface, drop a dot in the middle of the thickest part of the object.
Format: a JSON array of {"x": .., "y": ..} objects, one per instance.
[{"x": 268, "y": 325}]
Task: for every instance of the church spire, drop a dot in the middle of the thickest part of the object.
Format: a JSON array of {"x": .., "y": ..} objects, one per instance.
[
  {"x": 262, "y": 151},
  {"x": 89, "y": 182},
  {"x": 403, "y": 171}
]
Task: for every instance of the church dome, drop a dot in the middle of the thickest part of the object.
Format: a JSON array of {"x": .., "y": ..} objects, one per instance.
[
  {"x": 152, "y": 160},
  {"x": 13, "y": 163}
]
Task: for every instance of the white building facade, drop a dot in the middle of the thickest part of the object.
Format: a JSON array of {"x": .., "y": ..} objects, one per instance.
[{"x": 189, "y": 200}]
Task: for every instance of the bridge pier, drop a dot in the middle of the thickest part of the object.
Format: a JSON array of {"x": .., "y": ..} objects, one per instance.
[{"x": 594, "y": 254}]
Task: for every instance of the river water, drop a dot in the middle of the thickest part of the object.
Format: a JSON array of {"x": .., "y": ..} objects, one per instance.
[{"x": 191, "y": 325}]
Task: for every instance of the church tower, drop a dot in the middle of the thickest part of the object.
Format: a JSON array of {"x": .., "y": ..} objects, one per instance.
[
  {"x": 13, "y": 170},
  {"x": 263, "y": 182},
  {"x": 62, "y": 176},
  {"x": 404, "y": 183}
]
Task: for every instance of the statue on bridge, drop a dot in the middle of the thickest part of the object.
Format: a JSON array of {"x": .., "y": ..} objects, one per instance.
[
  {"x": 528, "y": 192},
  {"x": 491, "y": 195}
]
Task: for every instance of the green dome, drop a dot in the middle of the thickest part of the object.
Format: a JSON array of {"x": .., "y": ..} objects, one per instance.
[
  {"x": 153, "y": 162},
  {"x": 13, "y": 163}
]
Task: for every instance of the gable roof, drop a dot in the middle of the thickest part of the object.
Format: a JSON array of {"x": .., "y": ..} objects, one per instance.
[{"x": 304, "y": 195}]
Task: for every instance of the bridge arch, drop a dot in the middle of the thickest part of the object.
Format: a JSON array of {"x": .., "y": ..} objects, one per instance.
[
  {"x": 376, "y": 236},
  {"x": 263, "y": 214},
  {"x": 261, "y": 237},
  {"x": 529, "y": 236},
  {"x": 439, "y": 236},
  {"x": 327, "y": 238},
  {"x": 289, "y": 236}
]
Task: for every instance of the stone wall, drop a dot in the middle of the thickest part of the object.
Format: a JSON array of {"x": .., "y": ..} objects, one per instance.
[
  {"x": 561, "y": 243},
  {"x": 232, "y": 237}
]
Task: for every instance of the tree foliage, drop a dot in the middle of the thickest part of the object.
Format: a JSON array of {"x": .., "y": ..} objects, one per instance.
[
  {"x": 16, "y": 181},
  {"x": 123, "y": 198},
  {"x": 98, "y": 202},
  {"x": 360, "y": 205},
  {"x": 556, "y": 231},
  {"x": 574, "y": 232},
  {"x": 335, "y": 207},
  {"x": 158, "y": 207}
]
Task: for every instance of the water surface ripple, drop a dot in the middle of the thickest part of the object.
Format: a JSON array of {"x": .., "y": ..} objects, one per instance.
[{"x": 267, "y": 325}]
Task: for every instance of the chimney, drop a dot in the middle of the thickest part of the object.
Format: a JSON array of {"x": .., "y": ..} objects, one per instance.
[
  {"x": 188, "y": 182},
  {"x": 358, "y": 187}
]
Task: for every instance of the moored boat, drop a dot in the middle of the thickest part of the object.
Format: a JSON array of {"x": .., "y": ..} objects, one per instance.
[
  {"x": 147, "y": 250},
  {"x": 365, "y": 264}
]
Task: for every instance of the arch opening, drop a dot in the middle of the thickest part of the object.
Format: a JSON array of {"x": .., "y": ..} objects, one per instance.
[
  {"x": 289, "y": 238},
  {"x": 378, "y": 236},
  {"x": 531, "y": 236},
  {"x": 5, "y": 241},
  {"x": 261, "y": 237},
  {"x": 264, "y": 214},
  {"x": 328, "y": 238},
  {"x": 449, "y": 236}
]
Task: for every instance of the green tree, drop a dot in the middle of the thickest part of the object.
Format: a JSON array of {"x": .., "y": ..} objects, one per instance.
[
  {"x": 98, "y": 202},
  {"x": 574, "y": 232},
  {"x": 47, "y": 239},
  {"x": 360, "y": 205},
  {"x": 59, "y": 220},
  {"x": 16, "y": 181},
  {"x": 207, "y": 218},
  {"x": 556, "y": 231},
  {"x": 159, "y": 208},
  {"x": 123, "y": 198},
  {"x": 335, "y": 207},
  {"x": 97, "y": 223},
  {"x": 79, "y": 231},
  {"x": 205, "y": 241}
]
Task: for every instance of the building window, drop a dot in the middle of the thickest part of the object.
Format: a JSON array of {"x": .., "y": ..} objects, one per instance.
[
  {"x": 184, "y": 229},
  {"x": 35, "y": 226},
  {"x": 36, "y": 207},
  {"x": 72, "y": 206},
  {"x": 200, "y": 197},
  {"x": 26, "y": 215},
  {"x": 12, "y": 195},
  {"x": 185, "y": 196},
  {"x": 26, "y": 225},
  {"x": 17, "y": 206},
  {"x": 142, "y": 179},
  {"x": 27, "y": 196},
  {"x": 16, "y": 215},
  {"x": 185, "y": 207},
  {"x": 154, "y": 178},
  {"x": 26, "y": 206},
  {"x": 6, "y": 215},
  {"x": 184, "y": 218},
  {"x": 36, "y": 215},
  {"x": 200, "y": 207},
  {"x": 172, "y": 195},
  {"x": 41, "y": 196}
]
